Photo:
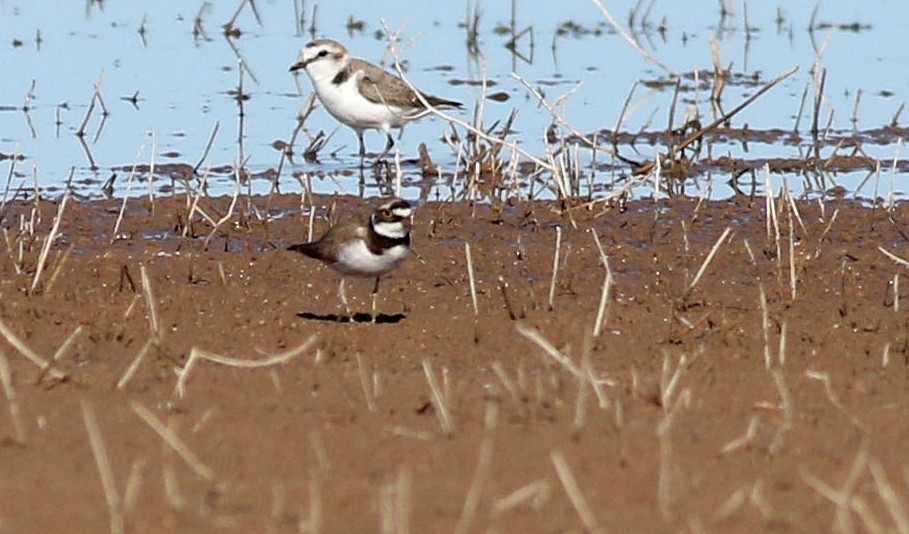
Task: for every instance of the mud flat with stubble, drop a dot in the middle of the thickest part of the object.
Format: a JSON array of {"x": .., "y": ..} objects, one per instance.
[{"x": 739, "y": 366}]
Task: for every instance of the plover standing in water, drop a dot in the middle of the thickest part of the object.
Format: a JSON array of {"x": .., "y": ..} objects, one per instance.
[
  {"x": 365, "y": 249},
  {"x": 360, "y": 94}
]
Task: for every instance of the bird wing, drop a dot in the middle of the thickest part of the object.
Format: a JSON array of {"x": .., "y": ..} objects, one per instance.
[{"x": 394, "y": 92}]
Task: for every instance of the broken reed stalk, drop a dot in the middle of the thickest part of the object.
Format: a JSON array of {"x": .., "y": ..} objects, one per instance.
[
  {"x": 707, "y": 260},
  {"x": 133, "y": 483},
  {"x": 555, "y": 267},
  {"x": 480, "y": 476},
  {"x": 744, "y": 440},
  {"x": 890, "y": 497},
  {"x": 52, "y": 235},
  {"x": 792, "y": 273},
  {"x": 570, "y": 484},
  {"x": 230, "y": 209},
  {"x": 647, "y": 167},
  {"x": 58, "y": 266},
  {"x": 198, "y": 354},
  {"x": 314, "y": 521},
  {"x": 442, "y": 412},
  {"x": 555, "y": 115},
  {"x": 537, "y": 492},
  {"x": 472, "y": 279},
  {"x": 129, "y": 183},
  {"x": 549, "y": 349},
  {"x": 364, "y": 383},
  {"x": 172, "y": 440},
  {"x": 894, "y": 257},
  {"x": 630, "y": 39},
  {"x": 150, "y": 303},
  {"x": 211, "y": 141},
  {"x": 843, "y": 498},
  {"x": 102, "y": 461},
  {"x": 607, "y": 286},
  {"x": 45, "y": 366},
  {"x": 151, "y": 169},
  {"x": 12, "y": 401},
  {"x": 131, "y": 370},
  {"x": 765, "y": 324},
  {"x": 788, "y": 410}
]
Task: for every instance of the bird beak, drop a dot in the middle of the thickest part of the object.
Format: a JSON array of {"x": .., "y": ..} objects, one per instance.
[{"x": 299, "y": 65}]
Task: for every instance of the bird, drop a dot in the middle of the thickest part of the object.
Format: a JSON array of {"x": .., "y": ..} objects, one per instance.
[
  {"x": 366, "y": 249},
  {"x": 362, "y": 95}
]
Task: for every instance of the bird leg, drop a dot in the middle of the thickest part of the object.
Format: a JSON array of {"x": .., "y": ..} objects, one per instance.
[
  {"x": 342, "y": 294},
  {"x": 362, "y": 152},
  {"x": 375, "y": 292},
  {"x": 388, "y": 146}
]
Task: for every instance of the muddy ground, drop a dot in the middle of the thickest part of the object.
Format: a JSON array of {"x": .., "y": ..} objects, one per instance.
[{"x": 697, "y": 408}]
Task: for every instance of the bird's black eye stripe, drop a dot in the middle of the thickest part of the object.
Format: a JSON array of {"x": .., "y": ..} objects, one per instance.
[{"x": 322, "y": 53}]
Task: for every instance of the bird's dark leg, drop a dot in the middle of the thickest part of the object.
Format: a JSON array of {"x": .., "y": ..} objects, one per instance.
[
  {"x": 362, "y": 152},
  {"x": 388, "y": 146}
]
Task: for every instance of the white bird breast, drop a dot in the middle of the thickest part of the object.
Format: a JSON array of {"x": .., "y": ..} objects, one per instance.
[{"x": 356, "y": 259}]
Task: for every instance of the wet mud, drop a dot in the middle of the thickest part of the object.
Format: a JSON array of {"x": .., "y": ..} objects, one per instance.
[{"x": 745, "y": 371}]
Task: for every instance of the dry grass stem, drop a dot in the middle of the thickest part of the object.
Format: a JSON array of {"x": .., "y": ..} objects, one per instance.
[
  {"x": 842, "y": 498},
  {"x": 765, "y": 325},
  {"x": 67, "y": 343},
  {"x": 23, "y": 349},
  {"x": 442, "y": 412},
  {"x": 788, "y": 410},
  {"x": 131, "y": 370},
  {"x": 555, "y": 266},
  {"x": 536, "y": 493},
  {"x": 534, "y": 336},
  {"x": 781, "y": 355},
  {"x": 793, "y": 285},
  {"x": 896, "y": 292},
  {"x": 574, "y": 492},
  {"x": 472, "y": 279},
  {"x": 102, "y": 461},
  {"x": 745, "y": 440},
  {"x": 708, "y": 259},
  {"x": 313, "y": 522},
  {"x": 51, "y": 236},
  {"x": 133, "y": 485},
  {"x": 630, "y": 39},
  {"x": 320, "y": 452},
  {"x": 733, "y": 504},
  {"x": 889, "y": 496},
  {"x": 481, "y": 474},
  {"x": 199, "y": 354},
  {"x": 364, "y": 383},
  {"x": 824, "y": 378},
  {"x": 894, "y": 257},
  {"x": 170, "y": 437},
  {"x": 150, "y": 303},
  {"x": 602, "y": 309},
  {"x": 12, "y": 401},
  {"x": 394, "y": 503}
]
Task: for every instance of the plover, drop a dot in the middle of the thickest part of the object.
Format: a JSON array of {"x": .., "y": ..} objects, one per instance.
[
  {"x": 365, "y": 249},
  {"x": 360, "y": 94}
]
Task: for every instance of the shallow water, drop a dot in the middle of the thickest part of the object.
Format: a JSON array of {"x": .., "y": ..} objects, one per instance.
[{"x": 167, "y": 82}]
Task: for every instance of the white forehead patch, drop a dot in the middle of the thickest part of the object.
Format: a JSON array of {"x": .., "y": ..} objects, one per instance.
[{"x": 403, "y": 212}]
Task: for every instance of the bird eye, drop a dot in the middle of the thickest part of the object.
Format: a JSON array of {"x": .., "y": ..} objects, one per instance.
[
  {"x": 386, "y": 213},
  {"x": 323, "y": 53}
]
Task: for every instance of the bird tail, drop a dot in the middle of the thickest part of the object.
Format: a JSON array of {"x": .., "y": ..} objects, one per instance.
[
  {"x": 437, "y": 102},
  {"x": 303, "y": 248}
]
